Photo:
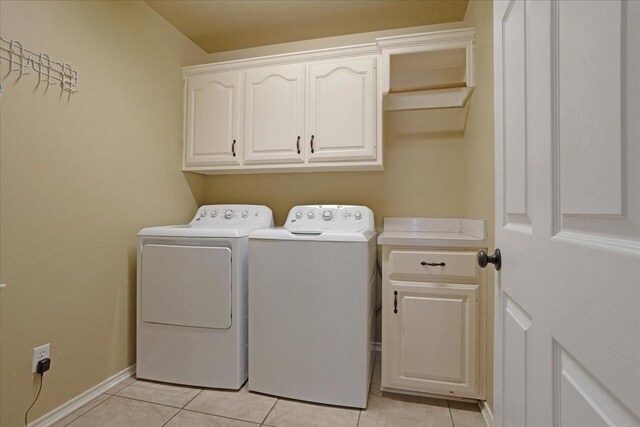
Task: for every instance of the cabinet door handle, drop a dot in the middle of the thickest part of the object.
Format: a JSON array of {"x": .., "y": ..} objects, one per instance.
[
  {"x": 395, "y": 301},
  {"x": 433, "y": 264},
  {"x": 298, "y": 145},
  {"x": 311, "y": 142},
  {"x": 233, "y": 148}
]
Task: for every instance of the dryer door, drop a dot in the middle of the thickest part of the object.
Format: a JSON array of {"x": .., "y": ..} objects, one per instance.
[{"x": 186, "y": 286}]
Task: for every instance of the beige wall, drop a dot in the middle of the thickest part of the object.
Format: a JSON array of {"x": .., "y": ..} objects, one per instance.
[
  {"x": 422, "y": 177},
  {"x": 478, "y": 157},
  {"x": 80, "y": 176}
]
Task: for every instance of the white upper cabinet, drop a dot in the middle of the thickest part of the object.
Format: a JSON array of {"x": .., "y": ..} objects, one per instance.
[
  {"x": 306, "y": 111},
  {"x": 212, "y": 120},
  {"x": 321, "y": 110},
  {"x": 341, "y": 110},
  {"x": 274, "y": 115}
]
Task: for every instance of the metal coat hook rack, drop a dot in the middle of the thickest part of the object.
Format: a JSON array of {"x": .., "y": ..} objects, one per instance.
[{"x": 50, "y": 72}]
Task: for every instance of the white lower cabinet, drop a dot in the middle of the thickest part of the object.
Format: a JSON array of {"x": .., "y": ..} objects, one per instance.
[
  {"x": 433, "y": 337},
  {"x": 433, "y": 334}
]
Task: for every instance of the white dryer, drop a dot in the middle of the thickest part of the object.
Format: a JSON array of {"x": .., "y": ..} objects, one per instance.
[
  {"x": 192, "y": 297},
  {"x": 311, "y": 305}
]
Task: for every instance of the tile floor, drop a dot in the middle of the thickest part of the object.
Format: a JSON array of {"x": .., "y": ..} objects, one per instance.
[{"x": 145, "y": 403}]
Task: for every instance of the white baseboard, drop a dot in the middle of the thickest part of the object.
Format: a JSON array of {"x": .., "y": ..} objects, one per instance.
[
  {"x": 65, "y": 409},
  {"x": 486, "y": 413}
]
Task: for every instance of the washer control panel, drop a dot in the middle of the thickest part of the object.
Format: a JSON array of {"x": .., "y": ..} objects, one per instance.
[
  {"x": 339, "y": 218},
  {"x": 254, "y": 216}
]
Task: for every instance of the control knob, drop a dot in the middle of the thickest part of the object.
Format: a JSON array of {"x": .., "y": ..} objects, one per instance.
[
  {"x": 203, "y": 213},
  {"x": 327, "y": 215},
  {"x": 245, "y": 214},
  {"x": 310, "y": 214},
  {"x": 214, "y": 213},
  {"x": 228, "y": 214},
  {"x": 358, "y": 215},
  {"x": 298, "y": 215}
]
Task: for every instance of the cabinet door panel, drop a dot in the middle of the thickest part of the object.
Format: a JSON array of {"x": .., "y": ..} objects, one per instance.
[
  {"x": 341, "y": 110},
  {"x": 274, "y": 114},
  {"x": 213, "y": 117},
  {"x": 433, "y": 338}
]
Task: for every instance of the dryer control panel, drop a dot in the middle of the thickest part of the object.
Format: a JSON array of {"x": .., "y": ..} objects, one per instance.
[
  {"x": 252, "y": 216},
  {"x": 337, "y": 218}
]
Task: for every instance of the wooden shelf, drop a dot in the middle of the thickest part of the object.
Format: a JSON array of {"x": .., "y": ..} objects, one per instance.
[
  {"x": 429, "y": 71},
  {"x": 436, "y": 86},
  {"x": 427, "y": 99}
]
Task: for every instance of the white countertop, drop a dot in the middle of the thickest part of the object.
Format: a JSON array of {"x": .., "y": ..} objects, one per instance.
[{"x": 434, "y": 232}]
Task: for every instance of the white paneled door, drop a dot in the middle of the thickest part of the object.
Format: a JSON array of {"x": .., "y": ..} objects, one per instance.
[{"x": 567, "y": 98}]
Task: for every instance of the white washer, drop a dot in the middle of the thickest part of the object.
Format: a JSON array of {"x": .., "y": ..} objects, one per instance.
[
  {"x": 192, "y": 297},
  {"x": 311, "y": 305}
]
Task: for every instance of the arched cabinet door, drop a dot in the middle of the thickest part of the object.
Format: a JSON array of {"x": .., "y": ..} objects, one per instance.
[
  {"x": 274, "y": 114},
  {"x": 341, "y": 110},
  {"x": 213, "y": 120}
]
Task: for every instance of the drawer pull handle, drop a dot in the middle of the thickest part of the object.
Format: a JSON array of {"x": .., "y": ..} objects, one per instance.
[
  {"x": 298, "y": 145},
  {"x": 395, "y": 301},
  {"x": 433, "y": 264},
  {"x": 312, "y": 150},
  {"x": 233, "y": 148}
]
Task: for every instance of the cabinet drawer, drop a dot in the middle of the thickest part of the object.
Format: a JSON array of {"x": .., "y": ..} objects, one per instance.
[{"x": 433, "y": 265}]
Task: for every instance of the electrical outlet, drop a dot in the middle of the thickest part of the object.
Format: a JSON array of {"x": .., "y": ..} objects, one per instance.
[{"x": 39, "y": 353}]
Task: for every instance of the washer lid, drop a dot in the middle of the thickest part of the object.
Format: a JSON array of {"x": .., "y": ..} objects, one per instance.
[
  {"x": 218, "y": 221},
  {"x": 339, "y": 219},
  {"x": 282, "y": 233},
  {"x": 187, "y": 230}
]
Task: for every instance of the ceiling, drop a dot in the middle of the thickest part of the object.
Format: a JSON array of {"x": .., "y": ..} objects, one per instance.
[{"x": 221, "y": 25}]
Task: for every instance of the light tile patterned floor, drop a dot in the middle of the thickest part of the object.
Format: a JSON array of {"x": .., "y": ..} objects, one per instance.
[{"x": 146, "y": 403}]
